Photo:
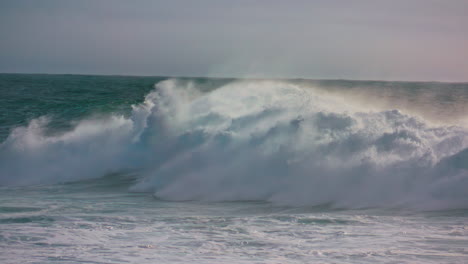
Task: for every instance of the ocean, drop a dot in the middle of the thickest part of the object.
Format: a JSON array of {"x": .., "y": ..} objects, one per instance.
[{"x": 120, "y": 169}]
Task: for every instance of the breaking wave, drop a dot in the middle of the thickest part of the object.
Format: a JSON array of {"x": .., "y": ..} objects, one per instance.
[{"x": 253, "y": 140}]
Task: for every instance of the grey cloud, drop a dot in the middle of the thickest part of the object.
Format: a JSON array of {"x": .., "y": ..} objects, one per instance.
[{"x": 404, "y": 40}]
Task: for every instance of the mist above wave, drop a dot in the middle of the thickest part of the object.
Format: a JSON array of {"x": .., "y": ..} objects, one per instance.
[{"x": 254, "y": 140}]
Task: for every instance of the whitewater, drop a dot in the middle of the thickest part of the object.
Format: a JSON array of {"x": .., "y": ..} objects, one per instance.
[{"x": 239, "y": 171}]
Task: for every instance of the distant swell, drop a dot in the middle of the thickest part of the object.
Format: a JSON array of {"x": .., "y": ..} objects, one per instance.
[{"x": 254, "y": 140}]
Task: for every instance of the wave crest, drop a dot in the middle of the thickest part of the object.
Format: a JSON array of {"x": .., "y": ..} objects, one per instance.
[{"x": 254, "y": 140}]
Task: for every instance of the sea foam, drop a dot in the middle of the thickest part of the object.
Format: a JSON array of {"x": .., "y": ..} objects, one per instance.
[{"x": 254, "y": 140}]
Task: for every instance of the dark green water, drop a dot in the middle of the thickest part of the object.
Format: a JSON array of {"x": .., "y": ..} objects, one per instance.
[{"x": 66, "y": 97}]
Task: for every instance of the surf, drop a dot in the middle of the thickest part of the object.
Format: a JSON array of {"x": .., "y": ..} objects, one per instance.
[{"x": 274, "y": 141}]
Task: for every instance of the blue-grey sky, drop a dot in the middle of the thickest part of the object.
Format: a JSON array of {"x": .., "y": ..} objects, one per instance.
[{"x": 352, "y": 39}]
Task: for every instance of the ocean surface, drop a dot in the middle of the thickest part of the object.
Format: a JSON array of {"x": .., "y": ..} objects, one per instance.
[{"x": 114, "y": 169}]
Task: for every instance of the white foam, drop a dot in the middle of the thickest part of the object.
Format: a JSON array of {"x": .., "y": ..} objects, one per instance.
[{"x": 254, "y": 140}]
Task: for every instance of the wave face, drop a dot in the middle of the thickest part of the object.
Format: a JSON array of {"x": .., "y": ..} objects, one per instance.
[{"x": 253, "y": 140}]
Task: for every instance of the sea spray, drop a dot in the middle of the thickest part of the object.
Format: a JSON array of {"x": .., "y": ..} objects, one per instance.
[{"x": 253, "y": 140}]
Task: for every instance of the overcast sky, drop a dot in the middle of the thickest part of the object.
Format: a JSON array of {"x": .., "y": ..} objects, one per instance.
[{"x": 365, "y": 39}]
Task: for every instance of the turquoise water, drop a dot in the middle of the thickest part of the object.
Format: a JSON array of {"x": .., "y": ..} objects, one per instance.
[
  {"x": 66, "y": 97},
  {"x": 113, "y": 169}
]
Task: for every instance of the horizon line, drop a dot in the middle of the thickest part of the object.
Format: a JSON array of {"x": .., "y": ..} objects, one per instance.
[{"x": 238, "y": 78}]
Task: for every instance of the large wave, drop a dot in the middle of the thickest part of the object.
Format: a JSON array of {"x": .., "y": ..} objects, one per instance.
[{"x": 253, "y": 140}]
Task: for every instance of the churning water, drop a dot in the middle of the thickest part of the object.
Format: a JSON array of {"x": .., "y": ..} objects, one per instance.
[{"x": 117, "y": 169}]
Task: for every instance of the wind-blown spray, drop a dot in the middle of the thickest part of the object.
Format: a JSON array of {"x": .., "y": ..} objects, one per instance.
[{"x": 254, "y": 140}]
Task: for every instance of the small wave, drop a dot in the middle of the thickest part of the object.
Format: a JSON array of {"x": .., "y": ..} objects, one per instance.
[
  {"x": 254, "y": 140},
  {"x": 27, "y": 219},
  {"x": 22, "y": 209}
]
